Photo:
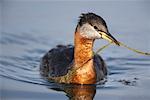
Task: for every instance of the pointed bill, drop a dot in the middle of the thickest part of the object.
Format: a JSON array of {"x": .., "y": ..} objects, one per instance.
[{"x": 109, "y": 38}]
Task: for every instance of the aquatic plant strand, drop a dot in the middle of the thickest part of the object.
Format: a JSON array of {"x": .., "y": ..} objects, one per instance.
[
  {"x": 67, "y": 78},
  {"x": 134, "y": 50},
  {"x": 123, "y": 45}
]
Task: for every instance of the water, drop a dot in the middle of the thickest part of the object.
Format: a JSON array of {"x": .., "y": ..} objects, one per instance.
[{"x": 31, "y": 28}]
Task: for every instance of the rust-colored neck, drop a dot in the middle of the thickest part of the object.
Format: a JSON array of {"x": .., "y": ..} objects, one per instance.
[{"x": 83, "y": 51}]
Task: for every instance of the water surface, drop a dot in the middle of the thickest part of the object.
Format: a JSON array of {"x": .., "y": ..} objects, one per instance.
[{"x": 30, "y": 29}]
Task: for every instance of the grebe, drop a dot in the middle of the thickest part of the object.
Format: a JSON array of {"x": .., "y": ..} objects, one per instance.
[{"x": 57, "y": 63}]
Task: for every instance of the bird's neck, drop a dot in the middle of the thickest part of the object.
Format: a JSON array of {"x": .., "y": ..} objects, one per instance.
[{"x": 83, "y": 50}]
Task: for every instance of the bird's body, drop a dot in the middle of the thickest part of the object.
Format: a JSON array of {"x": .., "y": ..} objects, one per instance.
[
  {"x": 59, "y": 62},
  {"x": 50, "y": 67}
]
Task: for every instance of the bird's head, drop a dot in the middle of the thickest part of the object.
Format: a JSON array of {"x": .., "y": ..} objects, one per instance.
[{"x": 92, "y": 26}]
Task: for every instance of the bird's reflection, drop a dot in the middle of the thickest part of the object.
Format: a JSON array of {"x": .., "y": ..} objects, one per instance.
[{"x": 76, "y": 92}]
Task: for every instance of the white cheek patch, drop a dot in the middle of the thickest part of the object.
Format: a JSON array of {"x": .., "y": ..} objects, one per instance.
[{"x": 89, "y": 32}]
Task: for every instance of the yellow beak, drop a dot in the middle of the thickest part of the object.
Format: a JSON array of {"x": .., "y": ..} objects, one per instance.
[{"x": 109, "y": 37}]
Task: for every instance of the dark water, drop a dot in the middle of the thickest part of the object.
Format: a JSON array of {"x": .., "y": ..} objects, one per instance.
[{"x": 30, "y": 29}]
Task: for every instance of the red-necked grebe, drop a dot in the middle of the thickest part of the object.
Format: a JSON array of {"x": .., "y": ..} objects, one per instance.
[{"x": 58, "y": 61}]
